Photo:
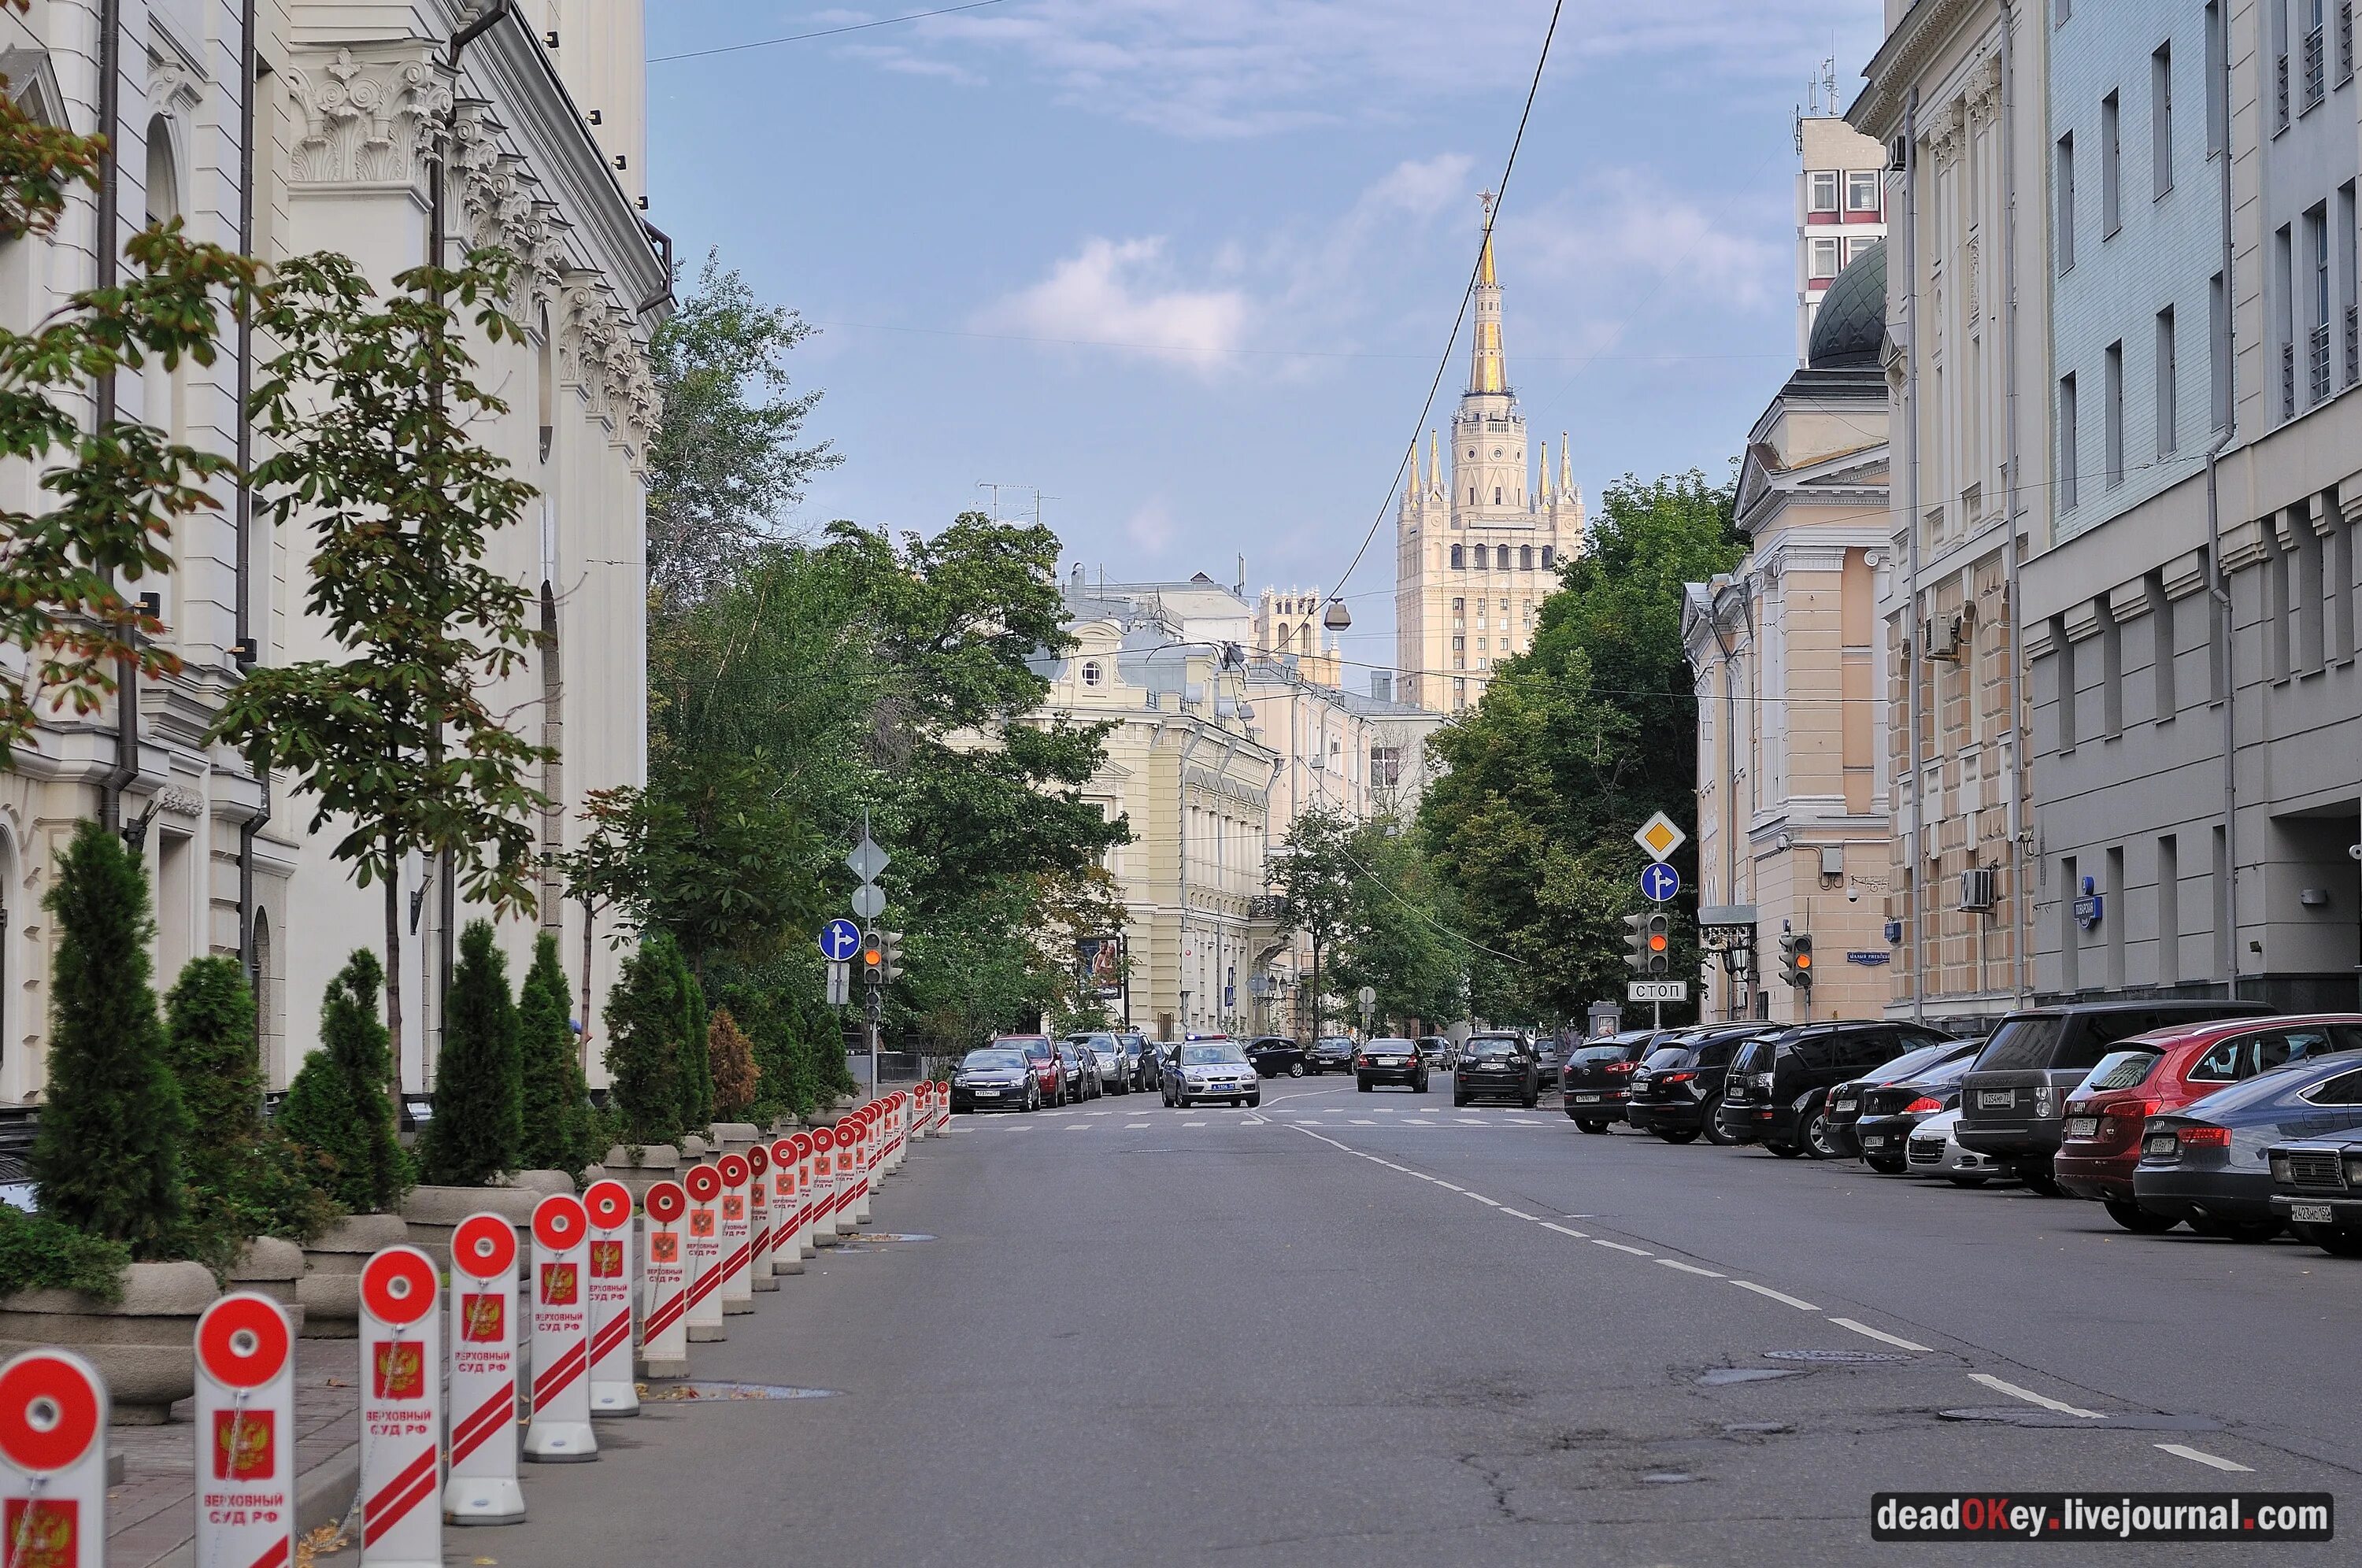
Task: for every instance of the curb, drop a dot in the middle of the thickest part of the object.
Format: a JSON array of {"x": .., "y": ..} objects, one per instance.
[{"x": 322, "y": 1496}]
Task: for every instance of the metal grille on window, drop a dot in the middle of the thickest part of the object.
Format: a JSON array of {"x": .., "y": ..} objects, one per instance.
[
  {"x": 2353, "y": 344},
  {"x": 2319, "y": 365},
  {"x": 2280, "y": 92},
  {"x": 2287, "y": 380},
  {"x": 2345, "y": 39},
  {"x": 2315, "y": 68}
]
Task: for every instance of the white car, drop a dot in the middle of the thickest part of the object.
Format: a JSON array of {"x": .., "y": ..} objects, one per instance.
[
  {"x": 1115, "y": 1068},
  {"x": 1212, "y": 1069},
  {"x": 1934, "y": 1150}
]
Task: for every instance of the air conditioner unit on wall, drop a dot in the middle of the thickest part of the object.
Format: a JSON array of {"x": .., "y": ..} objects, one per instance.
[
  {"x": 1941, "y": 637},
  {"x": 1980, "y": 888}
]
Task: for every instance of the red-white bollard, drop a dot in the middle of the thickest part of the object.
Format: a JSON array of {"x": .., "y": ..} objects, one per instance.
[
  {"x": 245, "y": 1437},
  {"x": 737, "y": 1235},
  {"x": 53, "y": 1461},
  {"x": 786, "y": 1245},
  {"x": 704, "y": 1184},
  {"x": 923, "y": 1111},
  {"x": 758, "y": 1219},
  {"x": 664, "y": 1333},
  {"x": 825, "y": 1209},
  {"x": 943, "y": 1109},
  {"x": 402, "y": 1411},
  {"x": 560, "y": 1432},
  {"x": 864, "y": 1162},
  {"x": 812, "y": 1178},
  {"x": 609, "y": 1205},
  {"x": 482, "y": 1488}
]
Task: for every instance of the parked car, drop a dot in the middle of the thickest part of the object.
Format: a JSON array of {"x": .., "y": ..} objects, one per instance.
[
  {"x": 1846, "y": 1099},
  {"x": 994, "y": 1079},
  {"x": 1275, "y": 1056},
  {"x": 1081, "y": 1070},
  {"x": 1499, "y": 1066},
  {"x": 1550, "y": 1055},
  {"x": 1677, "y": 1088},
  {"x": 1049, "y": 1068},
  {"x": 1211, "y": 1069},
  {"x": 1597, "y": 1078},
  {"x": 1934, "y": 1150},
  {"x": 1389, "y": 1059},
  {"x": 1778, "y": 1094},
  {"x": 1435, "y": 1050},
  {"x": 2317, "y": 1189},
  {"x": 1140, "y": 1061},
  {"x": 2013, "y": 1101},
  {"x": 1329, "y": 1053},
  {"x": 1888, "y": 1113},
  {"x": 1108, "y": 1065},
  {"x": 2209, "y": 1163},
  {"x": 2162, "y": 1071},
  {"x": 1164, "y": 1062}
]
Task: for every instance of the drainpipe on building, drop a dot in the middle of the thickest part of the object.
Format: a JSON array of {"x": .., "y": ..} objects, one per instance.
[
  {"x": 106, "y": 247},
  {"x": 1729, "y": 771},
  {"x": 2019, "y": 903},
  {"x": 2218, "y": 584},
  {"x": 1913, "y": 652},
  {"x": 243, "y": 655}
]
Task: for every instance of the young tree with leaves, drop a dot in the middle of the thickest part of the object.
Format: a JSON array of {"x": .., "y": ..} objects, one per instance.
[
  {"x": 107, "y": 1156},
  {"x": 556, "y": 1103},
  {"x": 645, "y": 1015},
  {"x": 370, "y": 410},
  {"x": 734, "y": 1074},
  {"x": 336, "y": 1113},
  {"x": 1314, "y": 874},
  {"x": 244, "y": 1179},
  {"x": 693, "y": 1071},
  {"x": 479, "y": 1126}
]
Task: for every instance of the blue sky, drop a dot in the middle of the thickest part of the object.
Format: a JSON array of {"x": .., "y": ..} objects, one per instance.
[{"x": 1186, "y": 265}]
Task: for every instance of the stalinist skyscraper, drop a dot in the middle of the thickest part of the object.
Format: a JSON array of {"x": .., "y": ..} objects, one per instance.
[{"x": 1477, "y": 552}]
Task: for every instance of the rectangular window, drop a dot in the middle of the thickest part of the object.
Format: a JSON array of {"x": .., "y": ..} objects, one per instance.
[
  {"x": 2218, "y": 84},
  {"x": 2316, "y": 54},
  {"x": 2160, "y": 120},
  {"x": 2112, "y": 673},
  {"x": 1862, "y": 192},
  {"x": 2282, "y": 285},
  {"x": 2111, "y": 379},
  {"x": 2066, "y": 453},
  {"x": 2166, "y": 695},
  {"x": 2344, "y": 42},
  {"x": 2341, "y": 588},
  {"x": 2168, "y": 403},
  {"x": 2218, "y": 350},
  {"x": 2350, "y": 341},
  {"x": 2112, "y": 218},
  {"x": 2063, "y": 184},
  {"x": 1824, "y": 187},
  {"x": 2316, "y": 304},
  {"x": 2168, "y": 910},
  {"x": 2071, "y": 931},
  {"x": 1856, "y": 244},
  {"x": 2063, "y": 658},
  {"x": 2281, "y": 74},
  {"x": 2223, "y": 934},
  {"x": 1825, "y": 259}
]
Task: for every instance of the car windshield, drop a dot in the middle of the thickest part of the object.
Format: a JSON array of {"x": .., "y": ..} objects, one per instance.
[
  {"x": 1210, "y": 1056},
  {"x": 1390, "y": 1045},
  {"x": 1912, "y": 1063},
  {"x": 2121, "y": 1070},
  {"x": 1665, "y": 1057},
  {"x": 1336, "y": 1043},
  {"x": 1489, "y": 1050},
  {"x": 1037, "y": 1049},
  {"x": 1949, "y": 1072},
  {"x": 993, "y": 1062},
  {"x": 2021, "y": 1043}
]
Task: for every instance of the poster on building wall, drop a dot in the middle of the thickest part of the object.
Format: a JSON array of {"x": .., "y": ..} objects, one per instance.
[{"x": 1099, "y": 966}]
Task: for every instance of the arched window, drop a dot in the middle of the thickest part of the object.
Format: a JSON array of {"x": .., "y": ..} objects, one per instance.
[
  {"x": 1548, "y": 558},
  {"x": 553, "y": 776},
  {"x": 163, "y": 393},
  {"x": 544, "y": 382},
  {"x": 269, "y": 1041},
  {"x": 1504, "y": 558},
  {"x": 1525, "y": 557},
  {"x": 1457, "y": 563}
]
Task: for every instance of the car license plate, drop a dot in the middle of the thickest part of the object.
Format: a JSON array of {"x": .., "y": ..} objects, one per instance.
[
  {"x": 2083, "y": 1127},
  {"x": 2159, "y": 1147},
  {"x": 1586, "y": 1099},
  {"x": 2310, "y": 1213},
  {"x": 986, "y": 1093},
  {"x": 1843, "y": 1102},
  {"x": 1876, "y": 1141},
  {"x": 1996, "y": 1098}
]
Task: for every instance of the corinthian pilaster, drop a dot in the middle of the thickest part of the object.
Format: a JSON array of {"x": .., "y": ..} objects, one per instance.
[{"x": 368, "y": 119}]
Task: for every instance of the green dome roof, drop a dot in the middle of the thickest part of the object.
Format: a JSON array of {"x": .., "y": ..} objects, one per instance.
[{"x": 1850, "y": 329}]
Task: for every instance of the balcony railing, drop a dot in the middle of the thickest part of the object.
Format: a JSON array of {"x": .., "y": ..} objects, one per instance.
[
  {"x": 2319, "y": 362},
  {"x": 2280, "y": 94},
  {"x": 2345, "y": 40},
  {"x": 2287, "y": 380},
  {"x": 2353, "y": 344},
  {"x": 2316, "y": 72}
]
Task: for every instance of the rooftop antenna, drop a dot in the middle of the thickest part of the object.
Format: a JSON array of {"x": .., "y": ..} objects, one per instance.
[{"x": 1032, "y": 490}]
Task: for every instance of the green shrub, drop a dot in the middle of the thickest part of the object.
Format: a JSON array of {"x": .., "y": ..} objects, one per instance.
[
  {"x": 644, "y": 1013},
  {"x": 479, "y": 1126},
  {"x": 39, "y": 1253},
  {"x": 336, "y": 1116},
  {"x": 108, "y": 1155},
  {"x": 558, "y": 1132},
  {"x": 736, "y": 1076},
  {"x": 696, "y": 1074}
]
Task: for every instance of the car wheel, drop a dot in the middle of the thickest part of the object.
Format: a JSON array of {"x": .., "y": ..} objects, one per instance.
[
  {"x": 1460, "y": 1103},
  {"x": 1296, "y": 1069},
  {"x": 1253, "y": 1100},
  {"x": 1361, "y": 1083},
  {"x": 1710, "y": 1122},
  {"x": 1886, "y": 1165},
  {"x": 1678, "y": 1134},
  {"x": 1532, "y": 1099},
  {"x": 1785, "y": 1151},
  {"x": 2330, "y": 1239},
  {"x": 2135, "y": 1219},
  {"x": 2249, "y": 1231},
  {"x": 2041, "y": 1182},
  {"x": 1590, "y": 1123},
  {"x": 1816, "y": 1137}
]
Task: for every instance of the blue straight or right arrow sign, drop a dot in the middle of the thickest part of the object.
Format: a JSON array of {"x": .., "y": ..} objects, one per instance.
[
  {"x": 1659, "y": 881},
  {"x": 839, "y": 940}
]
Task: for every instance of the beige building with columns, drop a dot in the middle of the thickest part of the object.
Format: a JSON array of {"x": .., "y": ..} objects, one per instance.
[{"x": 540, "y": 133}]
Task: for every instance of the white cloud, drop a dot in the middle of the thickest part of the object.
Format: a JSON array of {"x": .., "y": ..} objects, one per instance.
[
  {"x": 1149, "y": 527},
  {"x": 1121, "y": 294},
  {"x": 1625, "y": 239}
]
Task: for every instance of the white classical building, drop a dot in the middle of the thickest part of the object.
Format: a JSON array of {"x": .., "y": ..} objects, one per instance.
[{"x": 325, "y": 128}]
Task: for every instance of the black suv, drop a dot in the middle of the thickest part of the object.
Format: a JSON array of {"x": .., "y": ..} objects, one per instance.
[
  {"x": 1777, "y": 1094},
  {"x": 1885, "y": 1091},
  {"x": 1597, "y": 1078},
  {"x": 2013, "y": 1101},
  {"x": 1502, "y": 1065},
  {"x": 1677, "y": 1087}
]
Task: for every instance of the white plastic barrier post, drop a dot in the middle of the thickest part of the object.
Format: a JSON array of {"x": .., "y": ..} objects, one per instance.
[
  {"x": 246, "y": 1436},
  {"x": 737, "y": 1235},
  {"x": 560, "y": 1432},
  {"x": 53, "y": 1461},
  {"x": 663, "y": 1334},
  {"x": 758, "y": 1219},
  {"x": 864, "y": 1162},
  {"x": 482, "y": 1488},
  {"x": 812, "y": 1180},
  {"x": 704, "y": 1253},
  {"x": 943, "y": 1108},
  {"x": 824, "y": 1212},
  {"x": 787, "y": 1236},
  {"x": 902, "y": 1114},
  {"x": 609, "y": 1204},
  {"x": 402, "y": 1411}
]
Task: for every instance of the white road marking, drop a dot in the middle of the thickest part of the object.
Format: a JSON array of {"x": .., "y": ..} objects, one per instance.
[
  {"x": 2031, "y": 1398},
  {"x": 1482, "y": 1199},
  {"x": 1360, "y": 1122},
  {"x": 1620, "y": 1247},
  {"x": 1578, "y": 1235},
  {"x": 1447, "y": 1186},
  {"x": 1417, "y": 1121},
  {"x": 1690, "y": 1269},
  {"x": 1517, "y": 1213},
  {"x": 1775, "y": 1295},
  {"x": 1193, "y": 1124},
  {"x": 1471, "y": 1121},
  {"x": 2183, "y": 1450},
  {"x": 1130, "y": 1125},
  {"x": 1881, "y": 1335},
  {"x": 1077, "y": 1127}
]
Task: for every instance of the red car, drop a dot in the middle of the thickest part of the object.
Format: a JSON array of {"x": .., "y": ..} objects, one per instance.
[
  {"x": 1048, "y": 1076},
  {"x": 2161, "y": 1071}
]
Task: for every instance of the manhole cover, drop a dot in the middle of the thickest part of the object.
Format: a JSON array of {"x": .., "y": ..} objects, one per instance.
[
  {"x": 1838, "y": 1357},
  {"x": 1722, "y": 1376},
  {"x": 2123, "y": 1420},
  {"x": 686, "y": 1393}
]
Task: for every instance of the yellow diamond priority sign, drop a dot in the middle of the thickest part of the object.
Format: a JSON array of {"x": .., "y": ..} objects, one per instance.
[{"x": 1660, "y": 836}]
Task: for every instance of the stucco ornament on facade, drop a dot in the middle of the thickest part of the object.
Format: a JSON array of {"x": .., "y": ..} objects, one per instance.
[
  {"x": 596, "y": 352},
  {"x": 367, "y": 121}
]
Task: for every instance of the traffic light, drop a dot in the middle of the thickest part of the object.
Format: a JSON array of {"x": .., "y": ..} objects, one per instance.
[
  {"x": 1635, "y": 943},
  {"x": 1796, "y": 958},
  {"x": 873, "y": 956},
  {"x": 891, "y": 966},
  {"x": 1658, "y": 936}
]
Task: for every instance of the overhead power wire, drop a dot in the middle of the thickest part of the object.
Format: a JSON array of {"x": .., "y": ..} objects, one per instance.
[{"x": 822, "y": 32}]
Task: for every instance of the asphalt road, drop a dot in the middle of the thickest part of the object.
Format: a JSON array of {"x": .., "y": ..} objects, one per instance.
[{"x": 1372, "y": 1330}]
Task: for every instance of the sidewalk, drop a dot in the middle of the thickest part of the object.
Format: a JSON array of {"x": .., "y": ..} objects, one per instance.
[{"x": 152, "y": 1515}]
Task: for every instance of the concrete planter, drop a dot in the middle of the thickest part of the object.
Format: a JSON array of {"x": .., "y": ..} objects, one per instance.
[
  {"x": 735, "y": 1137},
  {"x": 272, "y": 1267},
  {"x": 656, "y": 1162},
  {"x": 431, "y": 1213},
  {"x": 541, "y": 1184},
  {"x": 695, "y": 1149},
  {"x": 330, "y": 1290},
  {"x": 145, "y": 1345}
]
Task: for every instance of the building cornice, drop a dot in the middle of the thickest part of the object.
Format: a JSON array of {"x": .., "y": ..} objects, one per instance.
[{"x": 1906, "y": 55}]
